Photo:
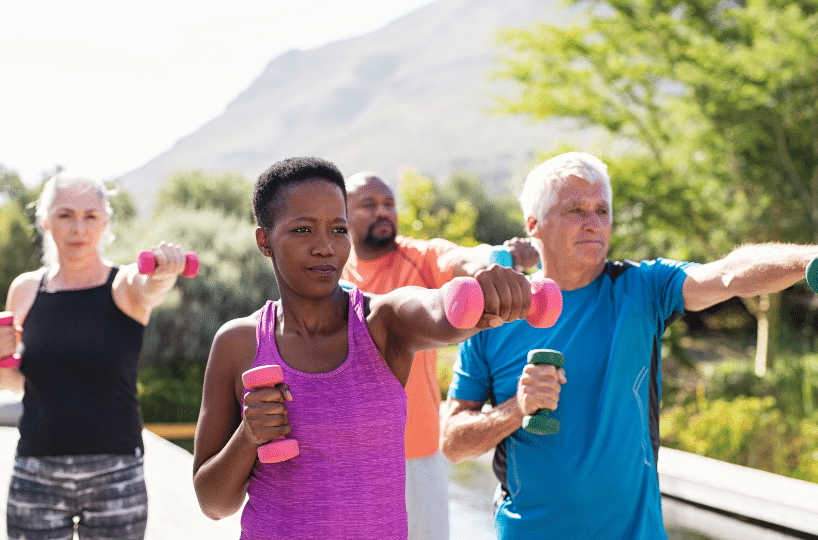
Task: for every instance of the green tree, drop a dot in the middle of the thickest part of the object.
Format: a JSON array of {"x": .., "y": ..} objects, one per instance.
[
  {"x": 498, "y": 218},
  {"x": 234, "y": 280},
  {"x": 11, "y": 187},
  {"x": 210, "y": 215},
  {"x": 459, "y": 211},
  {"x": 711, "y": 114},
  {"x": 17, "y": 235},
  {"x": 229, "y": 193},
  {"x": 123, "y": 207},
  {"x": 425, "y": 214}
]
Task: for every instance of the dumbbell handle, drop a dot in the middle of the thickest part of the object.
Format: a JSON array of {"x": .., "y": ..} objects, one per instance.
[
  {"x": 280, "y": 449},
  {"x": 146, "y": 263},
  {"x": 463, "y": 302},
  {"x": 541, "y": 422},
  {"x": 12, "y": 360}
]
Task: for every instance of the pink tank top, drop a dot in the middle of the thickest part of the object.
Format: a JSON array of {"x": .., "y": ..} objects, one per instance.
[{"x": 348, "y": 480}]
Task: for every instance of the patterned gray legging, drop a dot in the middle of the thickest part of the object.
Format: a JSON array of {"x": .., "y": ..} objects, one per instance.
[{"x": 101, "y": 497}]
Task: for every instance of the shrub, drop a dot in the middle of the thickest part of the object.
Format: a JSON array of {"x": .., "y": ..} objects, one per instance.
[
  {"x": 445, "y": 368},
  {"x": 167, "y": 395},
  {"x": 793, "y": 383},
  {"x": 748, "y": 431},
  {"x": 234, "y": 280}
]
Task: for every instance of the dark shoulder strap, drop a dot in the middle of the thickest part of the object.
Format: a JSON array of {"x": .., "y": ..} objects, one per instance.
[
  {"x": 614, "y": 269},
  {"x": 112, "y": 275}
]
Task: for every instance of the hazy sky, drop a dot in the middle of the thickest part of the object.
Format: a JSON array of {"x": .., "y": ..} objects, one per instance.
[{"x": 101, "y": 87}]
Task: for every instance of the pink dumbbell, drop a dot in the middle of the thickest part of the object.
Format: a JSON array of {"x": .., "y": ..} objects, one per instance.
[
  {"x": 146, "y": 263},
  {"x": 12, "y": 360},
  {"x": 463, "y": 301},
  {"x": 280, "y": 449}
]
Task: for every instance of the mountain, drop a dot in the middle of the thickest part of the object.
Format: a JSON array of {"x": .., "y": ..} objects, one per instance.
[{"x": 414, "y": 93}]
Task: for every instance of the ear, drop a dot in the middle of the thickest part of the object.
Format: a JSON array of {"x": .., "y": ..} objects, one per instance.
[
  {"x": 531, "y": 226},
  {"x": 263, "y": 242}
]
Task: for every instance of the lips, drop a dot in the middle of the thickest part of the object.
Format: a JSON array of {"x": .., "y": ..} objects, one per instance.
[{"x": 323, "y": 269}]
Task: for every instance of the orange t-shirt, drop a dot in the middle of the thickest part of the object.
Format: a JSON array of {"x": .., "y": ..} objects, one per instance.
[{"x": 424, "y": 263}]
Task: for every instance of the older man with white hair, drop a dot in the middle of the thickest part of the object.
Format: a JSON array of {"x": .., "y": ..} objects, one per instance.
[{"x": 596, "y": 476}]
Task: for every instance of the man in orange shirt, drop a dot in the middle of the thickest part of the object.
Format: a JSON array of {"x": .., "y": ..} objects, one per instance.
[{"x": 381, "y": 261}]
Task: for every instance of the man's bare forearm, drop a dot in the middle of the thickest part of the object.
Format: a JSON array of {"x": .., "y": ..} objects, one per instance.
[{"x": 470, "y": 432}]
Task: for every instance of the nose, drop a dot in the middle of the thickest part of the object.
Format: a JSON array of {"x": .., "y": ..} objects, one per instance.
[
  {"x": 323, "y": 246},
  {"x": 383, "y": 210},
  {"x": 593, "y": 221}
]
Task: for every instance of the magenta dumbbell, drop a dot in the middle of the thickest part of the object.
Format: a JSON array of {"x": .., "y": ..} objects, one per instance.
[
  {"x": 146, "y": 263},
  {"x": 280, "y": 449},
  {"x": 12, "y": 360},
  {"x": 463, "y": 302}
]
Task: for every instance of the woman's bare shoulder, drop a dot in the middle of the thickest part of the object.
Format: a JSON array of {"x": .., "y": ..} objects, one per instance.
[
  {"x": 23, "y": 290},
  {"x": 237, "y": 338}
]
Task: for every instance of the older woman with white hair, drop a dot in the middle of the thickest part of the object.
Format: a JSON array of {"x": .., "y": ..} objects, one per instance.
[{"x": 79, "y": 323}]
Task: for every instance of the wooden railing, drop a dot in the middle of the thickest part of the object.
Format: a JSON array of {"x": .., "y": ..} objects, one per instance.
[{"x": 173, "y": 431}]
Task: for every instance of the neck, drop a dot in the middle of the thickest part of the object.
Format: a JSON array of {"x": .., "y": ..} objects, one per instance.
[
  {"x": 573, "y": 277},
  {"x": 76, "y": 274},
  {"x": 310, "y": 317}
]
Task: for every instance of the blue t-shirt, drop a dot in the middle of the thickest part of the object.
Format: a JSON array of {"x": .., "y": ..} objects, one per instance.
[{"x": 596, "y": 477}]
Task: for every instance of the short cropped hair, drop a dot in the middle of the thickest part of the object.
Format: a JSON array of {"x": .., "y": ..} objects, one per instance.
[
  {"x": 537, "y": 196},
  {"x": 273, "y": 183},
  {"x": 65, "y": 180}
]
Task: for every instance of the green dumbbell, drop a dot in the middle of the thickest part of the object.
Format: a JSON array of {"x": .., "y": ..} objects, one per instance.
[
  {"x": 542, "y": 423},
  {"x": 812, "y": 275}
]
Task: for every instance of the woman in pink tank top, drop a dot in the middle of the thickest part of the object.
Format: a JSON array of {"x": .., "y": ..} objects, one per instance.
[{"x": 345, "y": 357}]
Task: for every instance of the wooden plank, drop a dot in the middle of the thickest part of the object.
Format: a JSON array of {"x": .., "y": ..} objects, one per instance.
[
  {"x": 172, "y": 431},
  {"x": 743, "y": 491}
]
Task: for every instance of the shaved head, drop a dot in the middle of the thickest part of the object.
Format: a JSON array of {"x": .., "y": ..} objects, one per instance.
[
  {"x": 373, "y": 218},
  {"x": 362, "y": 179}
]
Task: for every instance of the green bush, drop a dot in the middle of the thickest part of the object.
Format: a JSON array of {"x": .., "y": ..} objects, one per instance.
[
  {"x": 748, "y": 431},
  {"x": 793, "y": 383},
  {"x": 445, "y": 364},
  {"x": 234, "y": 280},
  {"x": 170, "y": 396}
]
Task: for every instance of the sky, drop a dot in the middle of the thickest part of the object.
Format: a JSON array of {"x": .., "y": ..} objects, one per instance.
[{"x": 101, "y": 87}]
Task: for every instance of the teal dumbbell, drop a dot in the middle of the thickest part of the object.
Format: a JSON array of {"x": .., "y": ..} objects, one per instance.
[
  {"x": 542, "y": 423},
  {"x": 812, "y": 275},
  {"x": 500, "y": 255}
]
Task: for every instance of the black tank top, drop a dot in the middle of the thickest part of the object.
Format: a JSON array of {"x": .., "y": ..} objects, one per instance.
[{"x": 80, "y": 360}]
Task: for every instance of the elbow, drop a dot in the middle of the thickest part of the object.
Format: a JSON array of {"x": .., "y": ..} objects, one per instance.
[
  {"x": 216, "y": 505},
  {"x": 450, "y": 454},
  {"x": 217, "y": 511}
]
